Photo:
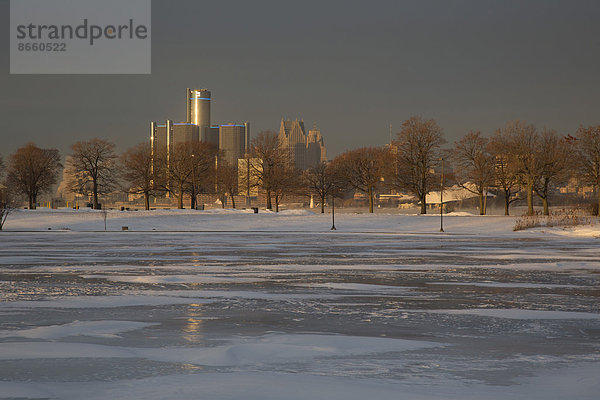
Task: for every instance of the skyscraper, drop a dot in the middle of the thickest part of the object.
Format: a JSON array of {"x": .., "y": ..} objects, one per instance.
[
  {"x": 198, "y": 109},
  {"x": 293, "y": 139},
  {"x": 315, "y": 148},
  {"x": 232, "y": 141},
  {"x": 304, "y": 151}
]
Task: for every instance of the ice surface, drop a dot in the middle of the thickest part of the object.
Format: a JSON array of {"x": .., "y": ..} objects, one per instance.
[{"x": 234, "y": 305}]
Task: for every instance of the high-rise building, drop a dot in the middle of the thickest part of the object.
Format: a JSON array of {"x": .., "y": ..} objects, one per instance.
[
  {"x": 212, "y": 135},
  {"x": 304, "y": 151},
  {"x": 169, "y": 134},
  {"x": 233, "y": 141},
  {"x": 315, "y": 148},
  {"x": 293, "y": 139},
  {"x": 198, "y": 109}
]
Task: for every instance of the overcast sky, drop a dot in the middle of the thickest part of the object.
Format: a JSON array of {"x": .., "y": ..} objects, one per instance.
[{"x": 351, "y": 67}]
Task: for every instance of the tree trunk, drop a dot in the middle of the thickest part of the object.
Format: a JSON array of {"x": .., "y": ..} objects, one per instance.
[
  {"x": 322, "y": 204},
  {"x": 180, "y": 199},
  {"x": 276, "y": 203},
  {"x": 95, "y": 189},
  {"x": 147, "y": 200},
  {"x": 545, "y": 203},
  {"x": 597, "y": 213},
  {"x": 232, "y": 200},
  {"x": 485, "y": 197},
  {"x": 530, "y": 197},
  {"x": 506, "y": 202},
  {"x": 598, "y": 210},
  {"x": 370, "y": 200},
  {"x": 269, "y": 204},
  {"x": 423, "y": 205},
  {"x": 481, "y": 205},
  {"x": 224, "y": 202},
  {"x": 32, "y": 202}
]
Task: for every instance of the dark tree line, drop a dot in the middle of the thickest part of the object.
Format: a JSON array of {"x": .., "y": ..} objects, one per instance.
[{"x": 517, "y": 162}]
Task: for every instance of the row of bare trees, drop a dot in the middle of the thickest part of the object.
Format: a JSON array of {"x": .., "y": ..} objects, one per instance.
[
  {"x": 522, "y": 160},
  {"x": 518, "y": 161}
]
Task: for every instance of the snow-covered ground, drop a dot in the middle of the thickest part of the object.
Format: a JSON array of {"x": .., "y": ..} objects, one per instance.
[{"x": 227, "y": 304}]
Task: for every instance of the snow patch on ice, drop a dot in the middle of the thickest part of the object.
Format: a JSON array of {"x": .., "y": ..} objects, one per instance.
[
  {"x": 363, "y": 287},
  {"x": 102, "y": 301},
  {"x": 514, "y": 313},
  {"x": 509, "y": 285},
  {"x": 104, "y": 329},
  {"x": 268, "y": 349},
  {"x": 173, "y": 278}
]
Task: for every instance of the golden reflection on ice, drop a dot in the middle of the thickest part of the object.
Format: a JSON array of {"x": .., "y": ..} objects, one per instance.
[{"x": 193, "y": 330}]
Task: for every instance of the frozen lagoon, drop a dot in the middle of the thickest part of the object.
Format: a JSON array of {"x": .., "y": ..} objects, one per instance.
[{"x": 278, "y": 307}]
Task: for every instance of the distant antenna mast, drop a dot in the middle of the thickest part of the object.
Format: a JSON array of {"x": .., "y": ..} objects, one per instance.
[{"x": 390, "y": 134}]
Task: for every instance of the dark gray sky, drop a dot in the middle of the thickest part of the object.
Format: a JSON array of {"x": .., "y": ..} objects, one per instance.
[{"x": 353, "y": 67}]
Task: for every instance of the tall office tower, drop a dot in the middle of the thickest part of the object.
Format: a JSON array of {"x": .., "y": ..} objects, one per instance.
[
  {"x": 212, "y": 135},
  {"x": 232, "y": 141},
  {"x": 168, "y": 135},
  {"x": 198, "y": 109},
  {"x": 315, "y": 148},
  {"x": 293, "y": 139}
]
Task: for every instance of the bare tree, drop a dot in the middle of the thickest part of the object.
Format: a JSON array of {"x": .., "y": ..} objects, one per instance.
[
  {"x": 178, "y": 169},
  {"x": 8, "y": 204},
  {"x": 552, "y": 158},
  {"x": 285, "y": 181},
  {"x": 137, "y": 169},
  {"x": 227, "y": 183},
  {"x": 204, "y": 164},
  {"x": 474, "y": 166},
  {"x": 415, "y": 153},
  {"x": 588, "y": 156},
  {"x": 321, "y": 180},
  {"x": 268, "y": 159},
  {"x": 505, "y": 170},
  {"x": 189, "y": 169},
  {"x": 92, "y": 168},
  {"x": 362, "y": 169},
  {"x": 523, "y": 141},
  {"x": 33, "y": 171}
]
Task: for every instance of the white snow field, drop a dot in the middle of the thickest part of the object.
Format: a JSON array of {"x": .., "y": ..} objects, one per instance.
[{"x": 227, "y": 304}]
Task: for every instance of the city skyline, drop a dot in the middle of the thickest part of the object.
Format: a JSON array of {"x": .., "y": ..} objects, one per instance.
[{"x": 353, "y": 70}]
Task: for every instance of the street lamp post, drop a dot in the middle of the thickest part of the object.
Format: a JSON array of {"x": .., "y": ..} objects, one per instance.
[
  {"x": 442, "y": 199},
  {"x": 194, "y": 205},
  {"x": 248, "y": 202},
  {"x": 333, "y": 228}
]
